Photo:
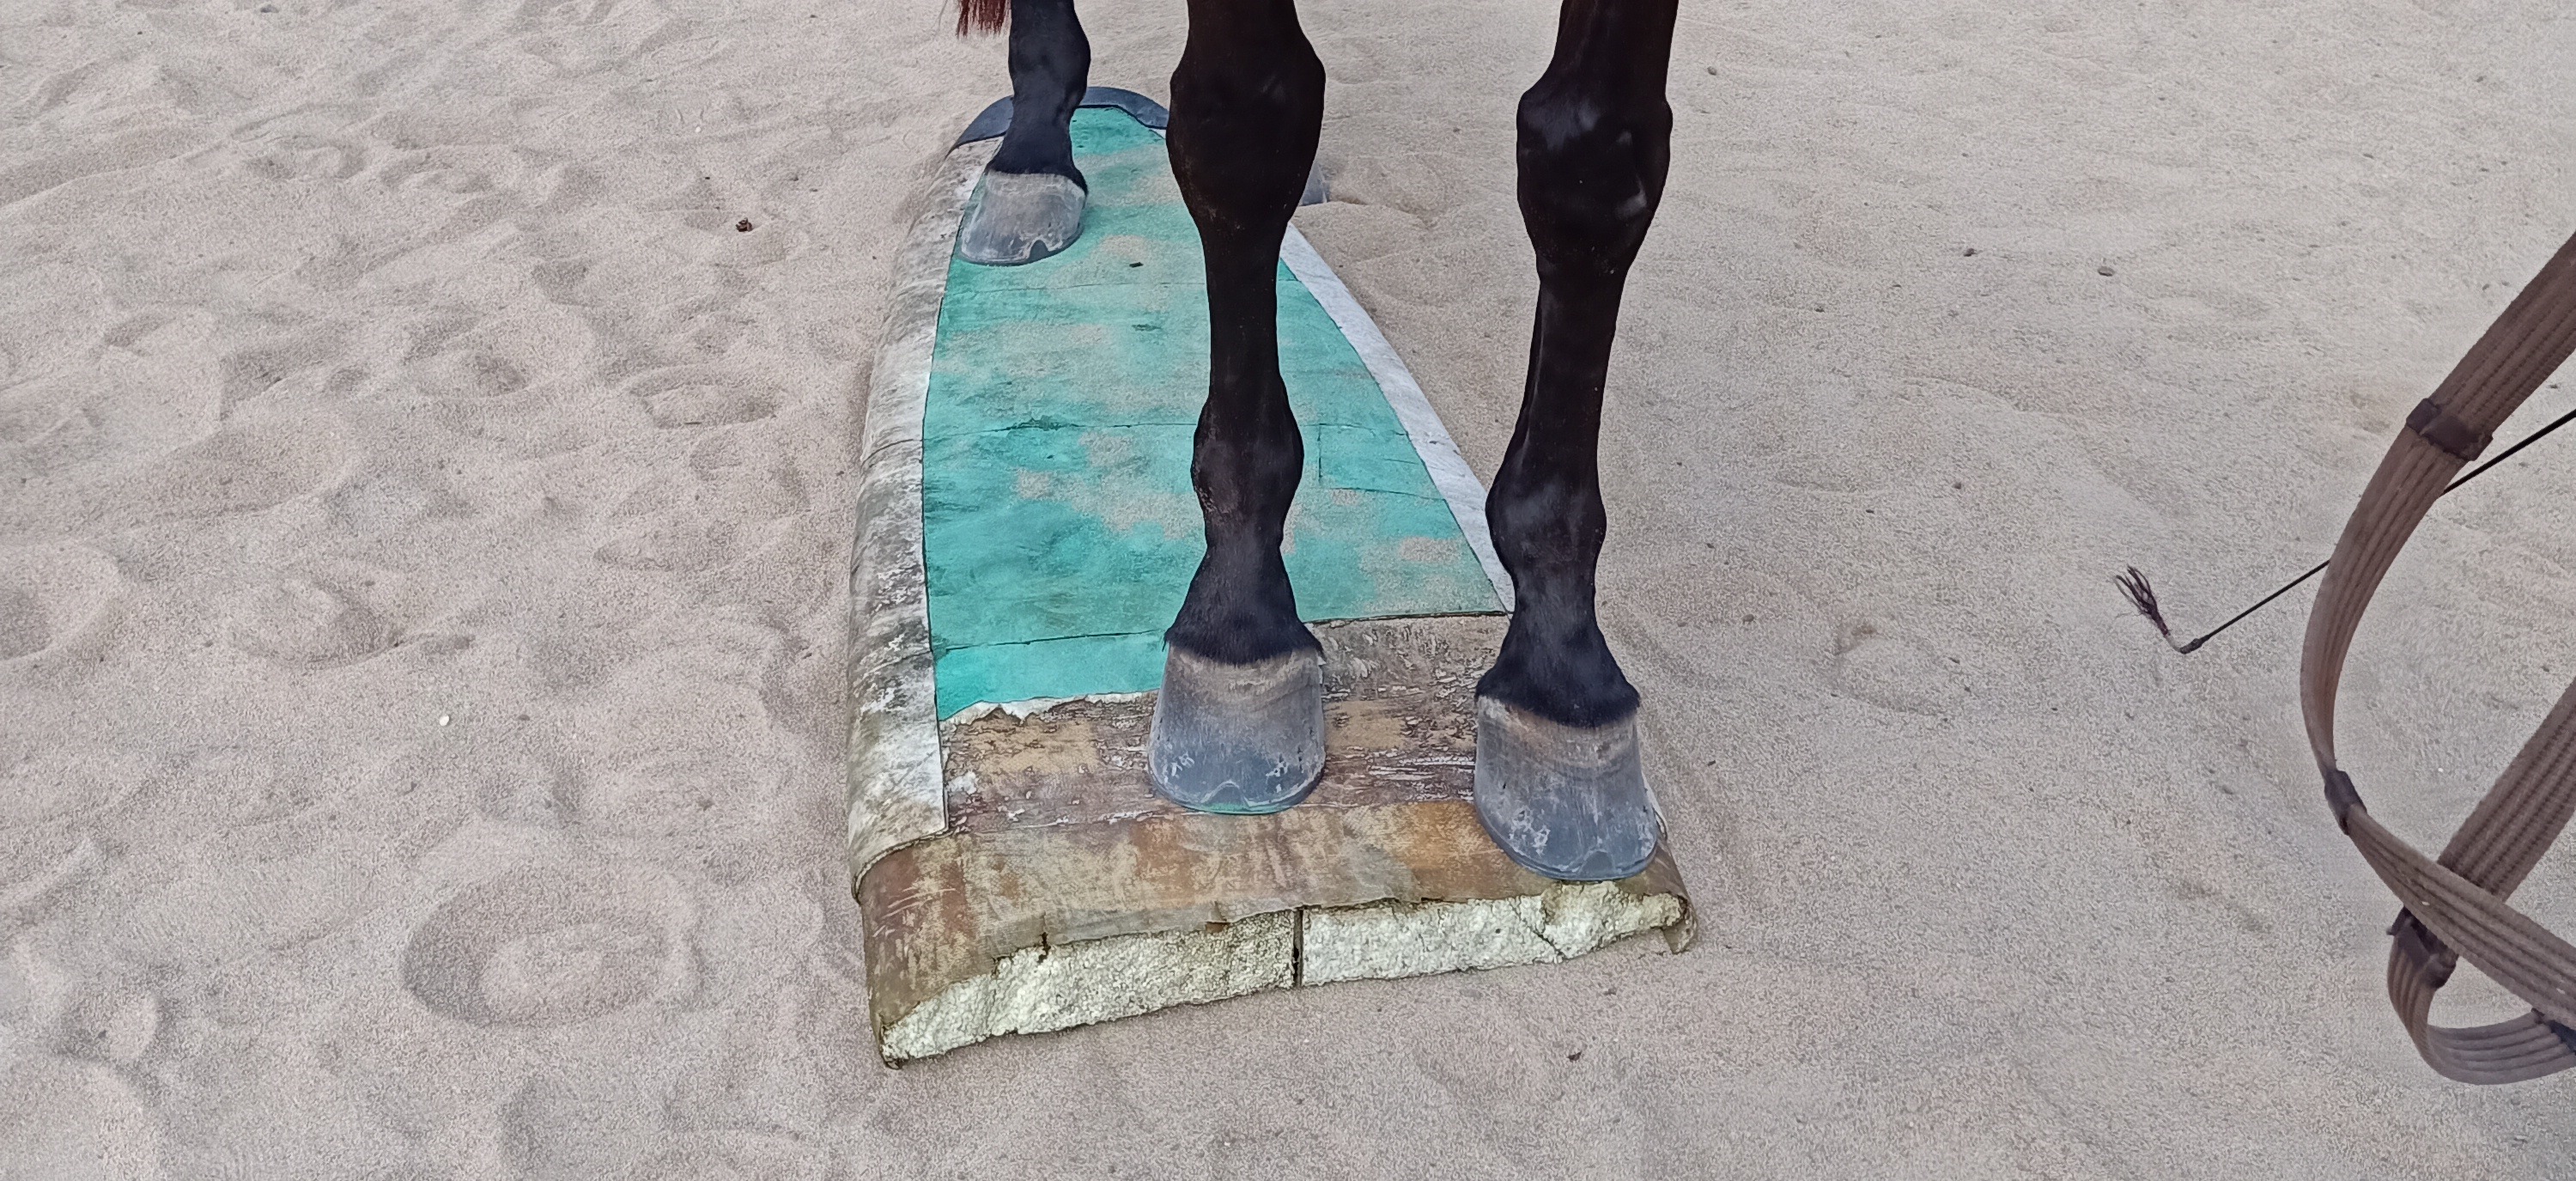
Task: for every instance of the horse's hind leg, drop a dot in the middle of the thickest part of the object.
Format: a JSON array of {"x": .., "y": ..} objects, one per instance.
[
  {"x": 1239, "y": 724},
  {"x": 1030, "y": 203},
  {"x": 1558, "y": 780}
]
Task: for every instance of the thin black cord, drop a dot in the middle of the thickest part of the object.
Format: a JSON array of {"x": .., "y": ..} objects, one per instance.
[{"x": 2143, "y": 597}]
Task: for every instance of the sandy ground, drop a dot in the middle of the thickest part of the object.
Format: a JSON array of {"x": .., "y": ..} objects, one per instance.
[{"x": 423, "y": 517}]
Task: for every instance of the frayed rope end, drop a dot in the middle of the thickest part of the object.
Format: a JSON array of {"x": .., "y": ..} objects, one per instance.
[{"x": 2142, "y": 596}]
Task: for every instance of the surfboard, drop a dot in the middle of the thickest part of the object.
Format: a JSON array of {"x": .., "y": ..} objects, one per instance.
[{"x": 1026, "y": 531}]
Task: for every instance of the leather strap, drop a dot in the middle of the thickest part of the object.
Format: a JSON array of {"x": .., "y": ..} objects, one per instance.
[
  {"x": 2447, "y": 431},
  {"x": 2455, "y": 904}
]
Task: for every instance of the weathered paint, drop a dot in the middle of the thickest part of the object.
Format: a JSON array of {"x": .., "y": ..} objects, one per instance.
[
  {"x": 1060, "y": 529},
  {"x": 1055, "y": 846},
  {"x": 895, "y": 789}
]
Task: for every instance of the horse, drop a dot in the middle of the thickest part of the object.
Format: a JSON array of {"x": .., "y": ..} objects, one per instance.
[{"x": 1238, "y": 725}]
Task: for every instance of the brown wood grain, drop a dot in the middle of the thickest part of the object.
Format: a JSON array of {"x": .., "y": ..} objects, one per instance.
[{"x": 1055, "y": 836}]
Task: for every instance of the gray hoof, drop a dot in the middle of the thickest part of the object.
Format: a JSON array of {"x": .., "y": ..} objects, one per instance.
[
  {"x": 1019, "y": 217},
  {"x": 1565, "y": 802},
  {"x": 1240, "y": 738}
]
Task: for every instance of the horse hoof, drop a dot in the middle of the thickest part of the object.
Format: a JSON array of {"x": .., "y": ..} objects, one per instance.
[
  {"x": 1566, "y": 802},
  {"x": 1238, "y": 738},
  {"x": 1020, "y": 217}
]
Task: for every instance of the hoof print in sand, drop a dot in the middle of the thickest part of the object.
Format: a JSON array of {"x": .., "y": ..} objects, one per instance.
[
  {"x": 112, "y": 1023},
  {"x": 305, "y": 157},
  {"x": 48, "y": 596},
  {"x": 512, "y": 777},
  {"x": 1891, "y": 671},
  {"x": 309, "y": 625},
  {"x": 722, "y": 811},
  {"x": 541, "y": 948}
]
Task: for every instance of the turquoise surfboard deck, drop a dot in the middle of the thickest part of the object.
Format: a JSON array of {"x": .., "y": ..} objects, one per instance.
[{"x": 1059, "y": 527}]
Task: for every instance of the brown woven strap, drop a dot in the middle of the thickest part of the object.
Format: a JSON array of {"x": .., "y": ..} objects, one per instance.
[{"x": 2455, "y": 905}]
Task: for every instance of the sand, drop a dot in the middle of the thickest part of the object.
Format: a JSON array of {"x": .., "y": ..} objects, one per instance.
[{"x": 424, "y": 511}]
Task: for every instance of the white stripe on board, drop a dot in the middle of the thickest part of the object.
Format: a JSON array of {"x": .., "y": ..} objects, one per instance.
[{"x": 1449, "y": 471}]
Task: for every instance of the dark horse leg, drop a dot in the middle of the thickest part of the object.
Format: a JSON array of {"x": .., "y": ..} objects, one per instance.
[
  {"x": 1029, "y": 204},
  {"x": 1558, "y": 779},
  {"x": 1239, "y": 724}
]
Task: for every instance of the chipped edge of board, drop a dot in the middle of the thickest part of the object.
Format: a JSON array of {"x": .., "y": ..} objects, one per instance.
[{"x": 1053, "y": 987}]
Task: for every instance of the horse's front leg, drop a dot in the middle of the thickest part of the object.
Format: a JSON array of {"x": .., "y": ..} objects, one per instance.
[
  {"x": 1239, "y": 724},
  {"x": 1558, "y": 779},
  {"x": 1030, "y": 202}
]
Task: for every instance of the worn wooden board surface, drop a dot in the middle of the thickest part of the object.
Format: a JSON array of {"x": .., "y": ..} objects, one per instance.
[{"x": 1055, "y": 841}]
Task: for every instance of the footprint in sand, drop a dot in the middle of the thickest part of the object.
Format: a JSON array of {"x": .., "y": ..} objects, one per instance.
[
  {"x": 50, "y": 432},
  {"x": 304, "y": 623},
  {"x": 682, "y": 545},
  {"x": 550, "y": 946},
  {"x": 523, "y": 790},
  {"x": 460, "y": 169},
  {"x": 692, "y": 395},
  {"x": 510, "y": 776},
  {"x": 380, "y": 499},
  {"x": 101, "y": 1017},
  {"x": 240, "y": 469},
  {"x": 752, "y": 473},
  {"x": 304, "y": 157},
  {"x": 22, "y": 624},
  {"x": 47, "y": 596},
  {"x": 38, "y": 861},
  {"x": 253, "y": 370},
  {"x": 726, "y": 811},
  {"x": 469, "y": 374},
  {"x": 665, "y": 525},
  {"x": 569, "y": 1125}
]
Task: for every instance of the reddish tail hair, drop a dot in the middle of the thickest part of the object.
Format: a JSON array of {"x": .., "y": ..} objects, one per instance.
[{"x": 982, "y": 16}]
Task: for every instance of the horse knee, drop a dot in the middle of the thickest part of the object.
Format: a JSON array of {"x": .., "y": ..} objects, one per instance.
[
  {"x": 1591, "y": 174},
  {"x": 1247, "y": 110}
]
